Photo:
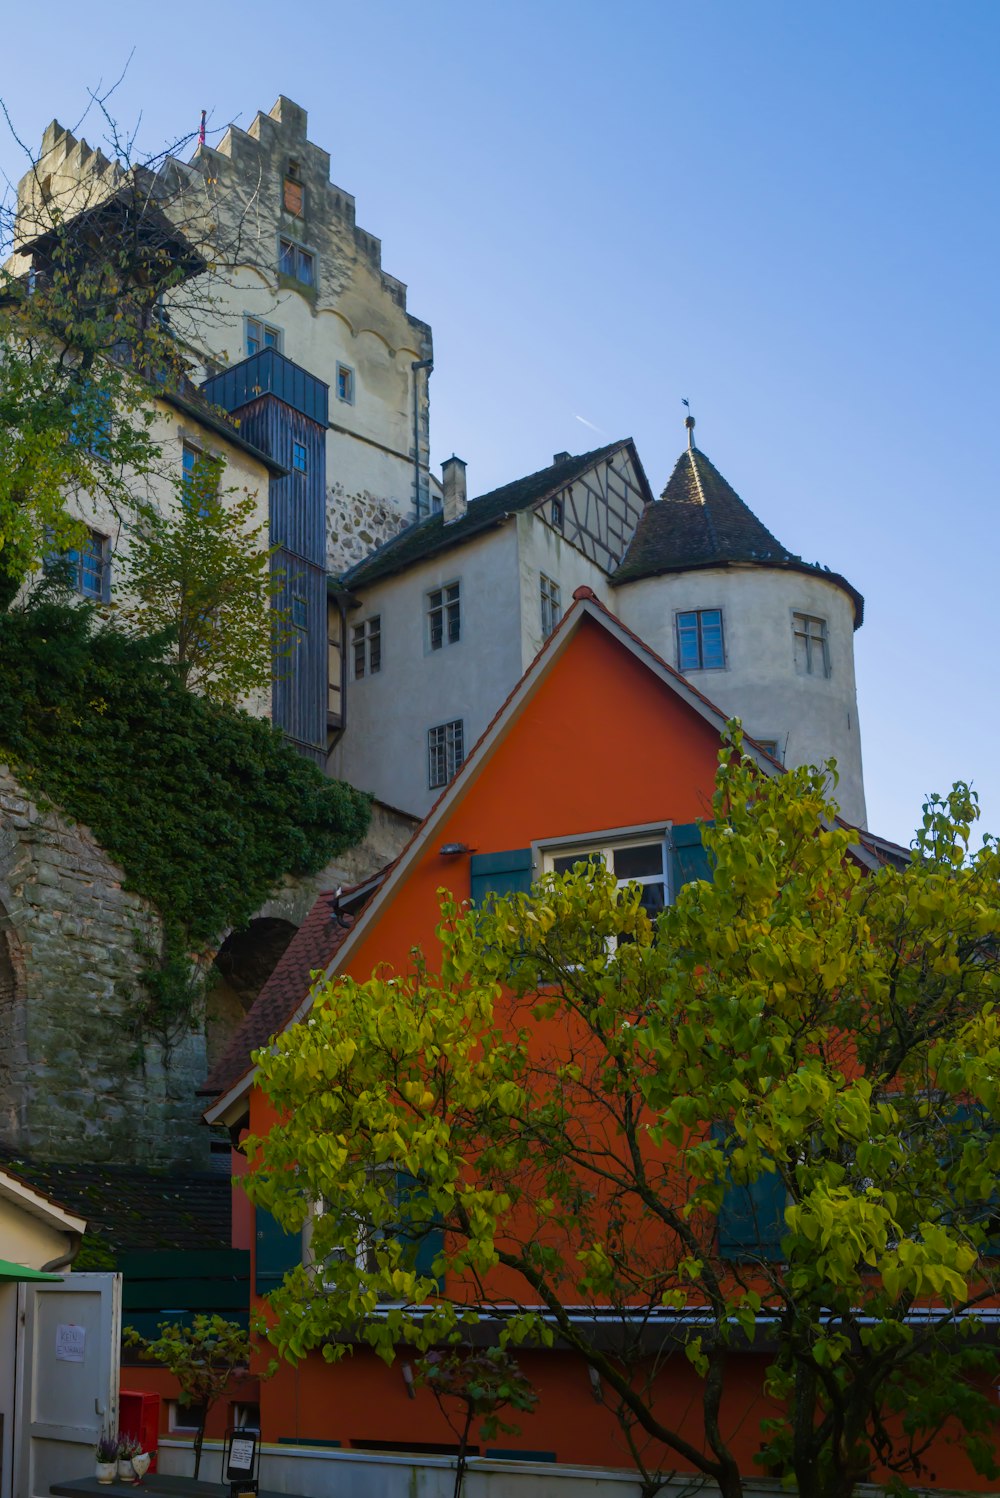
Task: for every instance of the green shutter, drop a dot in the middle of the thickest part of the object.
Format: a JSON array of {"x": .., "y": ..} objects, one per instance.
[
  {"x": 751, "y": 1222},
  {"x": 429, "y": 1244},
  {"x": 500, "y": 874},
  {"x": 689, "y": 858},
  {"x": 277, "y": 1251}
]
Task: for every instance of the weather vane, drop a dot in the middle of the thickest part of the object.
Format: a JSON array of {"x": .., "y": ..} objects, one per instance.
[{"x": 688, "y": 421}]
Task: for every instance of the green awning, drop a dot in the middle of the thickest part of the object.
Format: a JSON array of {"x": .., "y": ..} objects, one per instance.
[{"x": 9, "y": 1271}]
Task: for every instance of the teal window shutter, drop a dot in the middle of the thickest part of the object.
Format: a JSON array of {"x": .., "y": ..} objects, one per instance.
[
  {"x": 429, "y": 1244},
  {"x": 277, "y": 1251},
  {"x": 751, "y": 1221},
  {"x": 500, "y": 874},
  {"x": 688, "y": 857}
]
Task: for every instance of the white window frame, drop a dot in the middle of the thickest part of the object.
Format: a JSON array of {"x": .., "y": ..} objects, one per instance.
[
  {"x": 453, "y": 759},
  {"x": 364, "y": 635},
  {"x": 698, "y": 613},
  {"x": 346, "y": 369},
  {"x": 365, "y": 1237},
  {"x": 551, "y": 602},
  {"x": 182, "y": 1419},
  {"x": 607, "y": 841},
  {"x": 803, "y": 634},
  {"x": 264, "y": 327},
  {"x": 444, "y": 607}
]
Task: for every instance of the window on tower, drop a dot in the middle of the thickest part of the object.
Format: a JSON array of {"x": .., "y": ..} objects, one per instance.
[
  {"x": 812, "y": 648},
  {"x": 700, "y": 644}
]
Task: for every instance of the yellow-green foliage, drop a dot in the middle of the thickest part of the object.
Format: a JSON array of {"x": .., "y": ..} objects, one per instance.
[{"x": 575, "y": 1108}]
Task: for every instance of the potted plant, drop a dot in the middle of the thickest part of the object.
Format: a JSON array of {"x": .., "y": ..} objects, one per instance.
[
  {"x": 128, "y": 1447},
  {"x": 107, "y": 1458}
]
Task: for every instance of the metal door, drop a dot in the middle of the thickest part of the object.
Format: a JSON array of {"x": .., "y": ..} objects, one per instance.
[{"x": 65, "y": 1378}]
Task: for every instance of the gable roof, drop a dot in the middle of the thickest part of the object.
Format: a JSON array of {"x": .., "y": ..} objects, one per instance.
[
  {"x": 263, "y": 1020},
  {"x": 430, "y": 536},
  {"x": 22, "y": 1193},
  {"x": 700, "y": 521}
]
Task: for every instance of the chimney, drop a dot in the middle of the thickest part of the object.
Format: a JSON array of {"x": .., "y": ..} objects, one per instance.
[
  {"x": 559, "y": 457},
  {"x": 456, "y": 499}
]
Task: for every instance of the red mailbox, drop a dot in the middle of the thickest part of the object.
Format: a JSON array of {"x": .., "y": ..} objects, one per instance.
[{"x": 139, "y": 1416}]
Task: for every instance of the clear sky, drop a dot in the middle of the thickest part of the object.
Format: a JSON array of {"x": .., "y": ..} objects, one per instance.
[{"x": 786, "y": 212}]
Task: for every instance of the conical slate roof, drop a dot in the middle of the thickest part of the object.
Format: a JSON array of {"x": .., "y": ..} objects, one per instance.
[{"x": 700, "y": 521}]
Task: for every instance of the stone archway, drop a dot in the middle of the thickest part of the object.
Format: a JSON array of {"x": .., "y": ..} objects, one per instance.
[{"x": 242, "y": 966}]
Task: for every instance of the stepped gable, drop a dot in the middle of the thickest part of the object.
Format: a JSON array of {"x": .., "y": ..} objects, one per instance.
[
  {"x": 130, "y": 1208},
  {"x": 426, "y": 537},
  {"x": 701, "y": 521}
]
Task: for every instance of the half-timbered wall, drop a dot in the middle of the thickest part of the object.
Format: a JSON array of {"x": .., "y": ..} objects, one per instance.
[{"x": 602, "y": 509}]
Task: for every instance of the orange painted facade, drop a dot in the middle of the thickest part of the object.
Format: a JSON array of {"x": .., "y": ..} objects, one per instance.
[{"x": 600, "y": 742}]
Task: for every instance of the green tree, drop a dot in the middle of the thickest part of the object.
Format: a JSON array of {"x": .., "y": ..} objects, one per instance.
[
  {"x": 475, "y": 1384},
  {"x": 587, "y": 1100},
  {"x": 202, "y": 574},
  {"x": 204, "y": 1356}
]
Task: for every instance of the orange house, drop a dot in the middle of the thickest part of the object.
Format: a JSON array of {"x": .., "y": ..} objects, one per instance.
[{"x": 603, "y": 745}]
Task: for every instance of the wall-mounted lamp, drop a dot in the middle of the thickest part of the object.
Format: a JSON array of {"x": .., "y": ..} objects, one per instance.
[
  {"x": 454, "y": 850},
  {"x": 595, "y": 1384},
  {"x": 407, "y": 1373}
]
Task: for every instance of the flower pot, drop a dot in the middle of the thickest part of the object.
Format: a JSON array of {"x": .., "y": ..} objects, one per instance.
[
  {"x": 107, "y": 1471},
  {"x": 126, "y": 1472}
]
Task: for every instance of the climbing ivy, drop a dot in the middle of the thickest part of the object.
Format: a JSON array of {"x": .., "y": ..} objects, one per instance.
[{"x": 204, "y": 807}]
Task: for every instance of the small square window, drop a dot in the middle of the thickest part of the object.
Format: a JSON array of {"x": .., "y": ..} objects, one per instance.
[
  {"x": 294, "y": 261},
  {"x": 300, "y": 612},
  {"x": 551, "y": 605},
  {"x": 700, "y": 645},
  {"x": 445, "y": 752},
  {"x": 345, "y": 383},
  {"x": 366, "y": 647},
  {"x": 260, "y": 335},
  {"x": 812, "y": 651},
  {"x": 300, "y": 457},
  {"x": 444, "y": 615}
]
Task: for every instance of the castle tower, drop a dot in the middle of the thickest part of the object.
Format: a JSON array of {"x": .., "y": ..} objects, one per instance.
[{"x": 765, "y": 635}]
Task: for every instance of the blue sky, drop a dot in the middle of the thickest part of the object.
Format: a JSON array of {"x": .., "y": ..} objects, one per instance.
[{"x": 785, "y": 212}]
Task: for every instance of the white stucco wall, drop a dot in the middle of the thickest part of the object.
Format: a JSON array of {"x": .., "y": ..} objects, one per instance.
[
  {"x": 541, "y": 549},
  {"x": 384, "y": 749},
  {"x": 26, "y": 1239},
  {"x": 370, "y": 439},
  {"x": 811, "y": 717},
  {"x": 170, "y": 430}
]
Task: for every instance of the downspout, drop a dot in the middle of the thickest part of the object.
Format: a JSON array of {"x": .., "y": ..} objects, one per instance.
[
  {"x": 418, "y": 364},
  {"x": 64, "y": 1260}
]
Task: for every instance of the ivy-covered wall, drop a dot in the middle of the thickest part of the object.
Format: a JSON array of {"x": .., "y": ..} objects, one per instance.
[{"x": 138, "y": 825}]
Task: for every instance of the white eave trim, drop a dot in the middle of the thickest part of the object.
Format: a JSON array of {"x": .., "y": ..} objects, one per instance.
[{"x": 20, "y": 1194}]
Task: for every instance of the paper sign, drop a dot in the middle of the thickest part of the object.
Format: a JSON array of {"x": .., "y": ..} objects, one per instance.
[
  {"x": 70, "y": 1342},
  {"x": 241, "y": 1454}
]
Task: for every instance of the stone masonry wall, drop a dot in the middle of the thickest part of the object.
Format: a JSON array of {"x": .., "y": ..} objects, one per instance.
[
  {"x": 77, "y": 1079},
  {"x": 356, "y": 524}
]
